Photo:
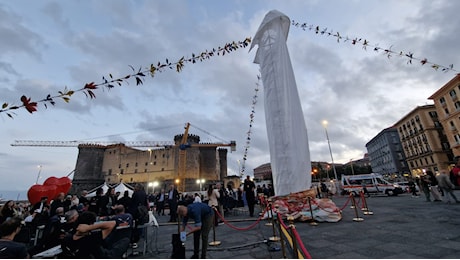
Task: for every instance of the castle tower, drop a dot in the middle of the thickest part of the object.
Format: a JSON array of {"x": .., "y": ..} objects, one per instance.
[{"x": 88, "y": 170}]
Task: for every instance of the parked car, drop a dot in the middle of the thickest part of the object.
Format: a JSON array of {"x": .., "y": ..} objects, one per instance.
[{"x": 405, "y": 186}]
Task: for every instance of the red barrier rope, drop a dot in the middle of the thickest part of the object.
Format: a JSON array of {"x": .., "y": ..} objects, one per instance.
[
  {"x": 237, "y": 228},
  {"x": 346, "y": 203},
  {"x": 300, "y": 243}
]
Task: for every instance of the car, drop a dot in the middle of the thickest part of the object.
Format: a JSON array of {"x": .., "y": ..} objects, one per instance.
[{"x": 405, "y": 186}]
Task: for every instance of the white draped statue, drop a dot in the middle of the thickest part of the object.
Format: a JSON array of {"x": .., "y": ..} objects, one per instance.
[{"x": 286, "y": 130}]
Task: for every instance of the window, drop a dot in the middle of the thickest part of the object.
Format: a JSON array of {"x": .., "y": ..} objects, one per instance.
[
  {"x": 452, "y": 93},
  {"x": 442, "y": 100},
  {"x": 127, "y": 165},
  {"x": 110, "y": 171}
]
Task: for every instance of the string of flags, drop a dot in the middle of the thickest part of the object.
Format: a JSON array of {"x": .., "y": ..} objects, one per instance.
[
  {"x": 111, "y": 82},
  {"x": 251, "y": 122},
  {"x": 365, "y": 44}
]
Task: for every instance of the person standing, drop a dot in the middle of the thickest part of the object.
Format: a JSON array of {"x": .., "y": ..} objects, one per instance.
[
  {"x": 139, "y": 200},
  {"x": 213, "y": 200},
  {"x": 160, "y": 200},
  {"x": 223, "y": 198},
  {"x": 249, "y": 188},
  {"x": 446, "y": 185},
  {"x": 93, "y": 202},
  {"x": 412, "y": 187},
  {"x": 434, "y": 186},
  {"x": 107, "y": 202},
  {"x": 203, "y": 216},
  {"x": 455, "y": 173},
  {"x": 173, "y": 199},
  {"x": 125, "y": 200},
  {"x": 425, "y": 184}
]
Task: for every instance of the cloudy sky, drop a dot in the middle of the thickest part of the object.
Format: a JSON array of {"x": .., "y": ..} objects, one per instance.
[{"x": 47, "y": 46}]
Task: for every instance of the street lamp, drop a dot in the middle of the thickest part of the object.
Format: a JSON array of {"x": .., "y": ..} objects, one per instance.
[
  {"x": 153, "y": 185},
  {"x": 330, "y": 151},
  {"x": 200, "y": 182},
  {"x": 351, "y": 164},
  {"x": 38, "y": 175}
]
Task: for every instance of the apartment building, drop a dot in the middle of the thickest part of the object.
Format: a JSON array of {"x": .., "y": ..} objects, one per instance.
[
  {"x": 447, "y": 103},
  {"x": 386, "y": 155},
  {"x": 424, "y": 142}
]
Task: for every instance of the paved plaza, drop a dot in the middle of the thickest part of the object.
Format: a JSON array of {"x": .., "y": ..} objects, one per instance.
[{"x": 400, "y": 227}]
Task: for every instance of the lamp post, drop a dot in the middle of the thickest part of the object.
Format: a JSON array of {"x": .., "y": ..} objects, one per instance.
[
  {"x": 38, "y": 175},
  {"x": 200, "y": 182},
  {"x": 330, "y": 151},
  {"x": 153, "y": 185},
  {"x": 351, "y": 164}
]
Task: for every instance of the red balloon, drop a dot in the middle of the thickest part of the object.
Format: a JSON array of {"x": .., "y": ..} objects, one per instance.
[
  {"x": 66, "y": 184},
  {"x": 63, "y": 184},
  {"x": 37, "y": 191}
]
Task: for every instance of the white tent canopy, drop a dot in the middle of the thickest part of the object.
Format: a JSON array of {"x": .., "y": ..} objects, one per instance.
[
  {"x": 122, "y": 187},
  {"x": 92, "y": 192}
]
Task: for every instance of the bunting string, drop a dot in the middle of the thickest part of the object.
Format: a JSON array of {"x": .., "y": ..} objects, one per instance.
[
  {"x": 110, "y": 82},
  {"x": 251, "y": 122},
  {"x": 365, "y": 44}
]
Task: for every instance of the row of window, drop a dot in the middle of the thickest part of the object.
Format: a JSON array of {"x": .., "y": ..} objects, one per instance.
[
  {"x": 109, "y": 172},
  {"x": 419, "y": 163}
]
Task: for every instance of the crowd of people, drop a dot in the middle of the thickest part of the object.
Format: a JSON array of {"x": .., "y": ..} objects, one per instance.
[
  {"x": 102, "y": 226},
  {"x": 105, "y": 225}
]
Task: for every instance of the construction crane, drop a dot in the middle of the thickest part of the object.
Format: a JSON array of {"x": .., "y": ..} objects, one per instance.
[
  {"x": 183, "y": 145},
  {"x": 77, "y": 143}
]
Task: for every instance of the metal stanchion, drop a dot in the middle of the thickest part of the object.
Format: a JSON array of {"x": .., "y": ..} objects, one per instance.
[
  {"x": 294, "y": 240},
  {"x": 365, "y": 208},
  {"x": 357, "y": 219},
  {"x": 283, "y": 246},
  {"x": 312, "y": 222},
  {"x": 214, "y": 242},
  {"x": 274, "y": 237},
  {"x": 270, "y": 214}
]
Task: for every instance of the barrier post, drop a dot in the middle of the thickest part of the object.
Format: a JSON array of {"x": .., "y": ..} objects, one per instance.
[
  {"x": 283, "y": 246},
  {"x": 352, "y": 206},
  {"x": 270, "y": 214},
  {"x": 294, "y": 240},
  {"x": 312, "y": 222},
  {"x": 274, "y": 237},
  {"x": 365, "y": 208},
  {"x": 214, "y": 242},
  {"x": 358, "y": 219}
]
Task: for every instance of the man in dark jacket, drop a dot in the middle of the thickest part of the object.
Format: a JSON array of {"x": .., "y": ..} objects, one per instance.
[{"x": 173, "y": 199}]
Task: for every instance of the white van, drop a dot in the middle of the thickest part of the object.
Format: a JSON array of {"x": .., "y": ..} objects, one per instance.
[{"x": 374, "y": 184}]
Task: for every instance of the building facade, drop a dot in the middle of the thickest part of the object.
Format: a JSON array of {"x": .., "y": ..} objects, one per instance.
[
  {"x": 154, "y": 168},
  {"x": 447, "y": 104},
  {"x": 424, "y": 142},
  {"x": 386, "y": 155}
]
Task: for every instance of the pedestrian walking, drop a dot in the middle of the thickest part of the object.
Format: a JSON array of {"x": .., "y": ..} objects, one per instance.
[{"x": 446, "y": 185}]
